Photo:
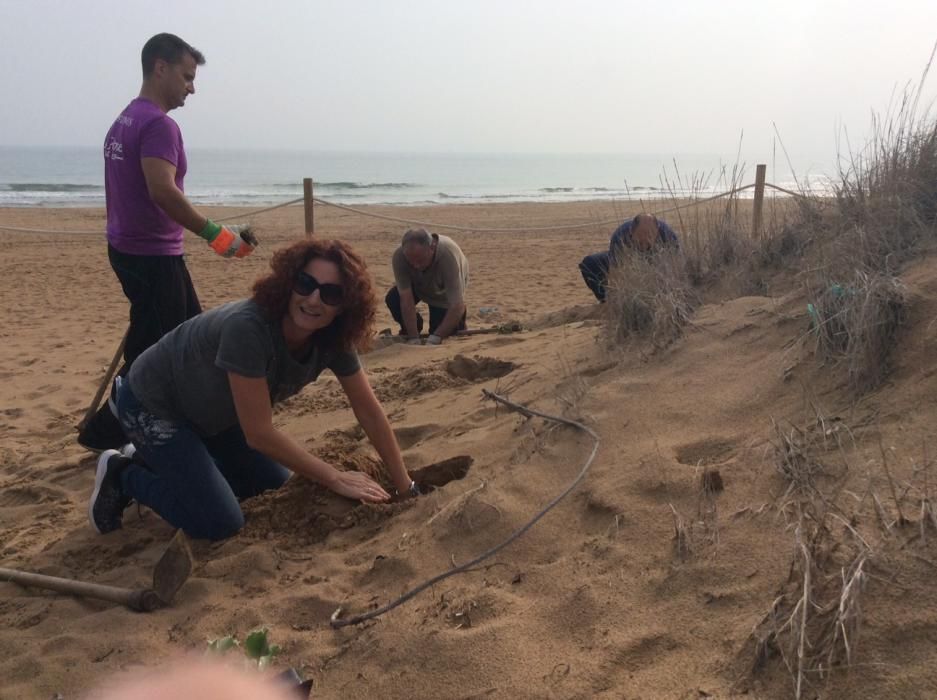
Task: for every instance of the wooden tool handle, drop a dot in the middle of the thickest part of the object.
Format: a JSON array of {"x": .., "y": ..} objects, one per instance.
[
  {"x": 105, "y": 382},
  {"x": 142, "y": 600}
]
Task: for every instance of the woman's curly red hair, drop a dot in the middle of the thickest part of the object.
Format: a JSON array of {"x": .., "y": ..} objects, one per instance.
[{"x": 353, "y": 327}]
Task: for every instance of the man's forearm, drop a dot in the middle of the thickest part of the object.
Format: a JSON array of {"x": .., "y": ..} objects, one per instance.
[
  {"x": 451, "y": 320},
  {"x": 178, "y": 208}
]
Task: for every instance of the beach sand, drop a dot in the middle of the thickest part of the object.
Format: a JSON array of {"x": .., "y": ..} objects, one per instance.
[{"x": 594, "y": 601}]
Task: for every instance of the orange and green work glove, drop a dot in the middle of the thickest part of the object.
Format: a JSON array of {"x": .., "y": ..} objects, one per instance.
[{"x": 227, "y": 241}]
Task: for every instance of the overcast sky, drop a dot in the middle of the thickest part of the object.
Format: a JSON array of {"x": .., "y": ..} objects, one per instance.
[{"x": 659, "y": 76}]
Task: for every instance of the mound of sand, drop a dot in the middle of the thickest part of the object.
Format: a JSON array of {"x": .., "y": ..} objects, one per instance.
[{"x": 640, "y": 584}]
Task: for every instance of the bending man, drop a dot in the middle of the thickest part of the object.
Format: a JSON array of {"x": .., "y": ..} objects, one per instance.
[
  {"x": 643, "y": 233},
  {"x": 431, "y": 268}
]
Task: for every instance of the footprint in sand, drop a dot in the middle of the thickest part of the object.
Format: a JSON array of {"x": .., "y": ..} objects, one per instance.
[
  {"x": 598, "y": 369},
  {"x": 18, "y": 496},
  {"x": 29, "y": 615},
  {"x": 634, "y": 653},
  {"x": 408, "y": 436},
  {"x": 501, "y": 342},
  {"x": 706, "y": 452},
  {"x": 386, "y": 572}
]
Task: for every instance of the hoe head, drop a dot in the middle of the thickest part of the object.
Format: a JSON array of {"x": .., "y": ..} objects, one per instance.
[{"x": 173, "y": 568}]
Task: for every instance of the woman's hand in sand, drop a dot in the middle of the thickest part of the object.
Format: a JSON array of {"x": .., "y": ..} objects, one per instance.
[{"x": 360, "y": 486}]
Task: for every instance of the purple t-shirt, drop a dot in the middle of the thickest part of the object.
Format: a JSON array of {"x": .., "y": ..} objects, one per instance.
[{"x": 135, "y": 224}]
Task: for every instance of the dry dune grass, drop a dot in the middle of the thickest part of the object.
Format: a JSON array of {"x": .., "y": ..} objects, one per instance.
[
  {"x": 853, "y": 248},
  {"x": 885, "y": 210},
  {"x": 857, "y": 324},
  {"x": 719, "y": 258},
  {"x": 813, "y": 624},
  {"x": 847, "y": 250},
  {"x": 650, "y": 297}
]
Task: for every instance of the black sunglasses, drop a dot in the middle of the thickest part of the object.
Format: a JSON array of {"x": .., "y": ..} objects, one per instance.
[{"x": 305, "y": 284}]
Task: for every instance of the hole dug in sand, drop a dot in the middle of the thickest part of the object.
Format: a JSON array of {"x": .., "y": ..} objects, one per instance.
[
  {"x": 303, "y": 512},
  {"x": 478, "y": 369},
  {"x": 439, "y": 474}
]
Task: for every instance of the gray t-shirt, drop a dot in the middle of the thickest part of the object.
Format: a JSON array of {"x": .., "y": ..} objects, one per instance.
[
  {"x": 184, "y": 377},
  {"x": 443, "y": 283}
]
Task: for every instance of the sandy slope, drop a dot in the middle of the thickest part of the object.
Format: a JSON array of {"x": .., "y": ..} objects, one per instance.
[{"x": 593, "y": 602}]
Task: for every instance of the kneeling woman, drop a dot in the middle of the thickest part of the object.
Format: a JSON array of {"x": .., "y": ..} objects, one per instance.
[{"x": 198, "y": 404}]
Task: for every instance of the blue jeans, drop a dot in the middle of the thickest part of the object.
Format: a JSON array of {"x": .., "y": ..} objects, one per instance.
[
  {"x": 594, "y": 269},
  {"x": 194, "y": 483},
  {"x": 436, "y": 313}
]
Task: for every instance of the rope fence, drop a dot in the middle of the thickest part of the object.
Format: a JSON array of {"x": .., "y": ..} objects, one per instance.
[
  {"x": 802, "y": 195},
  {"x": 561, "y": 227},
  {"x": 97, "y": 233},
  {"x": 308, "y": 199}
]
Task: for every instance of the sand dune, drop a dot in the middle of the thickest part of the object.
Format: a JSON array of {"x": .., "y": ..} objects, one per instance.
[{"x": 597, "y": 600}]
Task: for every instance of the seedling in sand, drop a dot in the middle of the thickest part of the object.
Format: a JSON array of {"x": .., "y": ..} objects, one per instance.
[{"x": 257, "y": 648}]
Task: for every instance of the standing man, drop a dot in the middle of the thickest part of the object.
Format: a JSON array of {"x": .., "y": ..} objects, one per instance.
[
  {"x": 431, "y": 268},
  {"x": 644, "y": 233},
  {"x": 147, "y": 211}
]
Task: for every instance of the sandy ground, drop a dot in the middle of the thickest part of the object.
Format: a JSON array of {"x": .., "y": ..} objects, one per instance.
[{"x": 595, "y": 601}]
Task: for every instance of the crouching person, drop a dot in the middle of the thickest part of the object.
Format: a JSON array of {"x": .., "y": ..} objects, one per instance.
[
  {"x": 431, "y": 268},
  {"x": 645, "y": 234},
  {"x": 198, "y": 404}
]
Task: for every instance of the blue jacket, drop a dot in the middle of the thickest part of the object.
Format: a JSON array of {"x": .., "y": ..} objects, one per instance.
[{"x": 622, "y": 237}]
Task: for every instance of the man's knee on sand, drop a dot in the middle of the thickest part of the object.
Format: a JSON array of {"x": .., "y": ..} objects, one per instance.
[
  {"x": 392, "y": 300},
  {"x": 594, "y": 269}
]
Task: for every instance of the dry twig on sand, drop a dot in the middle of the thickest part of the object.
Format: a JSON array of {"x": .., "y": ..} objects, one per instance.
[
  {"x": 681, "y": 535},
  {"x": 795, "y": 457},
  {"x": 891, "y": 483},
  {"x": 707, "y": 507}
]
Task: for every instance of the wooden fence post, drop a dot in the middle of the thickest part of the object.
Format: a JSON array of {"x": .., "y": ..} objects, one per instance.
[
  {"x": 760, "y": 171},
  {"x": 307, "y": 206}
]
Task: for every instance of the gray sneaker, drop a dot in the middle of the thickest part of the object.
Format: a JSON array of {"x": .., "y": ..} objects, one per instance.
[{"x": 106, "y": 509}]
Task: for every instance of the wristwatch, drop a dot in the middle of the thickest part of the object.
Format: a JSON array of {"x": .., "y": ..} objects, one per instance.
[{"x": 413, "y": 490}]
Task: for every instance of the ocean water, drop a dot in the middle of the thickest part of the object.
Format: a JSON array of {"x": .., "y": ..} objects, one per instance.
[{"x": 73, "y": 177}]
